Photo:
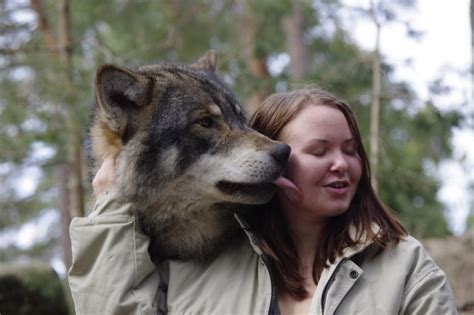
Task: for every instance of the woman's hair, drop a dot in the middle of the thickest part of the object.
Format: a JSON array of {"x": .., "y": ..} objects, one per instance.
[{"x": 365, "y": 209}]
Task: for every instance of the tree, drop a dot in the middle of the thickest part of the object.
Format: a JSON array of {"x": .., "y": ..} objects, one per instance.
[
  {"x": 376, "y": 91},
  {"x": 294, "y": 42},
  {"x": 472, "y": 60},
  {"x": 470, "y": 217},
  {"x": 70, "y": 172},
  {"x": 255, "y": 57}
]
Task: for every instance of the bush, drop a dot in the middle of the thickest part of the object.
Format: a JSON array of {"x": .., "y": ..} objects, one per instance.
[{"x": 31, "y": 289}]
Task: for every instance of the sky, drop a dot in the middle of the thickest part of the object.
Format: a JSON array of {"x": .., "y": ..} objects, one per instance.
[{"x": 444, "y": 50}]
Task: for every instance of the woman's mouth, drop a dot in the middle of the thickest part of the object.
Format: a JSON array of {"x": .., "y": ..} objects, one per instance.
[{"x": 338, "y": 187}]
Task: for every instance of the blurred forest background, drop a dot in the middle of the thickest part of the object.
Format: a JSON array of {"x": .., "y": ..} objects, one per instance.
[{"x": 50, "y": 49}]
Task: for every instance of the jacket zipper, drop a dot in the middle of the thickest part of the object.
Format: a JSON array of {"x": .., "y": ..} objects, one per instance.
[
  {"x": 273, "y": 301},
  {"x": 328, "y": 284}
]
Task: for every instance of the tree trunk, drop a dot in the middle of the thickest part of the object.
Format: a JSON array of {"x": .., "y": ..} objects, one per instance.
[
  {"x": 257, "y": 64},
  {"x": 69, "y": 173},
  {"x": 62, "y": 174},
  {"x": 375, "y": 106},
  {"x": 74, "y": 142},
  {"x": 293, "y": 30},
  {"x": 472, "y": 63},
  {"x": 43, "y": 24}
]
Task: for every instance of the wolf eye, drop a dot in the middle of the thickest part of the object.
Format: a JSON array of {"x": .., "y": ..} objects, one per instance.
[{"x": 206, "y": 122}]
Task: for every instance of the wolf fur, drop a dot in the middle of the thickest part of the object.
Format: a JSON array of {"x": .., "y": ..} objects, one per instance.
[{"x": 185, "y": 158}]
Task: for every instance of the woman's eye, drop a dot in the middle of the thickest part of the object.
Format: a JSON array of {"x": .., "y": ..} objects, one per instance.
[
  {"x": 206, "y": 122},
  {"x": 351, "y": 150},
  {"x": 319, "y": 152}
]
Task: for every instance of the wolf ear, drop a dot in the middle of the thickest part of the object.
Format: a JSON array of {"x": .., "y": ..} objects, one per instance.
[
  {"x": 120, "y": 91},
  {"x": 207, "y": 62}
]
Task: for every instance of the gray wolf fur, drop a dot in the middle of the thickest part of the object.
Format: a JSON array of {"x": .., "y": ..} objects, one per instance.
[{"x": 185, "y": 158}]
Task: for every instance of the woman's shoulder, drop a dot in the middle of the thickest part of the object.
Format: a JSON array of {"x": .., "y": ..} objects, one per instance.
[
  {"x": 407, "y": 248},
  {"x": 410, "y": 247},
  {"x": 238, "y": 251},
  {"x": 409, "y": 243},
  {"x": 426, "y": 286},
  {"x": 410, "y": 257},
  {"x": 406, "y": 263}
]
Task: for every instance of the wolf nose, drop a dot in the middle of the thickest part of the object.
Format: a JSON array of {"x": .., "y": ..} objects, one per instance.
[{"x": 280, "y": 153}]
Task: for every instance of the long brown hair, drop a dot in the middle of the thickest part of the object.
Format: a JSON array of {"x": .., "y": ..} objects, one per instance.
[{"x": 269, "y": 224}]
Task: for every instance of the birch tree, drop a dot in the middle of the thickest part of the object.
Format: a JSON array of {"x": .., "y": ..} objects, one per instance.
[
  {"x": 472, "y": 62},
  {"x": 376, "y": 92}
]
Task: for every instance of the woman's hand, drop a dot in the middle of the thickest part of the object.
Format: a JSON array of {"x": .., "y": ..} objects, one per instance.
[{"x": 104, "y": 179}]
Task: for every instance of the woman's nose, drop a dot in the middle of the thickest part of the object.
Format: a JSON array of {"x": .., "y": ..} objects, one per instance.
[{"x": 339, "y": 163}]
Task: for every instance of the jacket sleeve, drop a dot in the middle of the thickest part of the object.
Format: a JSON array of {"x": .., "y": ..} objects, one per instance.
[
  {"x": 111, "y": 271},
  {"x": 428, "y": 291}
]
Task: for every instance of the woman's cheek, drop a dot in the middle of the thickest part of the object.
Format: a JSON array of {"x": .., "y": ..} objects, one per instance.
[{"x": 294, "y": 168}]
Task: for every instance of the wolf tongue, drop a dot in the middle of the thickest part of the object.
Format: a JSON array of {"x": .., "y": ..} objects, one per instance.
[
  {"x": 290, "y": 189},
  {"x": 284, "y": 183}
]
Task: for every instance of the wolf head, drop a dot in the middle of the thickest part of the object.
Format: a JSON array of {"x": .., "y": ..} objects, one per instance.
[{"x": 184, "y": 152}]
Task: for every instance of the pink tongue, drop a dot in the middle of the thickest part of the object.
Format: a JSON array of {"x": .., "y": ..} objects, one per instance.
[
  {"x": 290, "y": 189},
  {"x": 284, "y": 183}
]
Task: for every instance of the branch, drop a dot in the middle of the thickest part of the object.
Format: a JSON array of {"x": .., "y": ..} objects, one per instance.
[
  {"x": 7, "y": 51},
  {"x": 13, "y": 27},
  {"x": 108, "y": 53}
]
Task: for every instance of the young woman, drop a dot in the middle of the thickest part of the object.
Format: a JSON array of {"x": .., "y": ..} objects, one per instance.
[{"x": 324, "y": 245}]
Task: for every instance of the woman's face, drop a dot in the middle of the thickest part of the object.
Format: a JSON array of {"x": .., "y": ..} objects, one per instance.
[{"x": 323, "y": 164}]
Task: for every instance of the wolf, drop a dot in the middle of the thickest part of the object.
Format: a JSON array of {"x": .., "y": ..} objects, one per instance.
[{"x": 186, "y": 160}]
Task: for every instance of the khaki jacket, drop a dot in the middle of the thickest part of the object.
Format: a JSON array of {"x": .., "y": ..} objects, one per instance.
[{"x": 112, "y": 273}]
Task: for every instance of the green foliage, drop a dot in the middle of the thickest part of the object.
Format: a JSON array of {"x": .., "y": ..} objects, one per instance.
[
  {"x": 34, "y": 289},
  {"x": 412, "y": 146}
]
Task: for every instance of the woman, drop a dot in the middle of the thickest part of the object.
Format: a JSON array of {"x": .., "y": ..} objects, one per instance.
[{"x": 324, "y": 245}]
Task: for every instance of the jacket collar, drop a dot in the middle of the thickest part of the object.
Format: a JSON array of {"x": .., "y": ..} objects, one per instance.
[
  {"x": 248, "y": 231},
  {"x": 347, "y": 252}
]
